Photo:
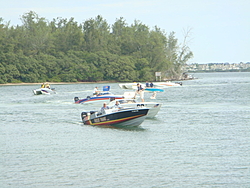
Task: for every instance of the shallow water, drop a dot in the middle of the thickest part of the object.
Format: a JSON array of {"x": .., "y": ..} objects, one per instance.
[{"x": 200, "y": 138}]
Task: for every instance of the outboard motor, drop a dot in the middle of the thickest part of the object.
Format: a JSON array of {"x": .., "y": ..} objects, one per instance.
[
  {"x": 92, "y": 112},
  {"x": 180, "y": 83},
  {"x": 76, "y": 99},
  {"x": 84, "y": 116}
]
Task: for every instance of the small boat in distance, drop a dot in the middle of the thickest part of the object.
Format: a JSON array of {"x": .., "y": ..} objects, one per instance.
[
  {"x": 147, "y": 89},
  {"x": 165, "y": 84},
  {"x": 44, "y": 90},
  {"x": 128, "y": 85},
  {"x": 122, "y": 118}
]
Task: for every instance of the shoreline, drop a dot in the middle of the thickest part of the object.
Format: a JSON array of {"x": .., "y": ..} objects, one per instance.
[
  {"x": 54, "y": 83},
  {"x": 98, "y": 82}
]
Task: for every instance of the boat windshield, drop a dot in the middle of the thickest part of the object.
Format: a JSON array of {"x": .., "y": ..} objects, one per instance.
[
  {"x": 104, "y": 93},
  {"x": 125, "y": 101}
]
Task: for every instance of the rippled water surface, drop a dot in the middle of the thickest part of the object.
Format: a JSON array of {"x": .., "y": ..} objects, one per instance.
[{"x": 200, "y": 138}]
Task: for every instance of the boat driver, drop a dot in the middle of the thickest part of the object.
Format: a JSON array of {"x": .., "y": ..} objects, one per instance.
[
  {"x": 104, "y": 107},
  {"x": 95, "y": 92}
]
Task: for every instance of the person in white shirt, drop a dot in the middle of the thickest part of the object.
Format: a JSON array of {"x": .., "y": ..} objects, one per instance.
[
  {"x": 117, "y": 105},
  {"x": 95, "y": 92}
]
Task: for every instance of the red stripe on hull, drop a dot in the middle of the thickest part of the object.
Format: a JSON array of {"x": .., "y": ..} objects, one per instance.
[{"x": 111, "y": 122}]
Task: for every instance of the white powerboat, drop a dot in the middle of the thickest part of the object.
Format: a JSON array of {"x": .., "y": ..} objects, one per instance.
[
  {"x": 44, "y": 91},
  {"x": 153, "y": 107},
  {"x": 128, "y": 85},
  {"x": 166, "y": 84}
]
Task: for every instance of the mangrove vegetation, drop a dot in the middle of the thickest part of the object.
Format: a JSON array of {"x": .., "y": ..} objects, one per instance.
[{"x": 63, "y": 50}]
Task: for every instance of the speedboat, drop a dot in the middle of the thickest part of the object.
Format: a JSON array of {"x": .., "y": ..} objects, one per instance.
[
  {"x": 165, "y": 84},
  {"x": 153, "y": 107},
  {"x": 147, "y": 89},
  {"x": 101, "y": 97},
  {"x": 128, "y": 85},
  {"x": 44, "y": 91},
  {"x": 104, "y": 96},
  {"x": 125, "y": 117},
  {"x": 152, "y": 89}
]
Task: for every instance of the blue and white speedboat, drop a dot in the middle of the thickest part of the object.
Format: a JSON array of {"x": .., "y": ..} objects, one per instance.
[
  {"x": 104, "y": 96},
  {"x": 147, "y": 89}
]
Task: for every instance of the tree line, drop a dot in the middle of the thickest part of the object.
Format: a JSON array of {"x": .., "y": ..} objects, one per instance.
[{"x": 63, "y": 50}]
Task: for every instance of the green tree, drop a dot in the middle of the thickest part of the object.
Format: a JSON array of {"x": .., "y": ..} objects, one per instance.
[
  {"x": 36, "y": 33},
  {"x": 63, "y": 50},
  {"x": 66, "y": 35},
  {"x": 96, "y": 34},
  {"x": 117, "y": 36}
]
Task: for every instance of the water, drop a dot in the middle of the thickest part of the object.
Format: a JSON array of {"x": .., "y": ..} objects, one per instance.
[{"x": 200, "y": 138}]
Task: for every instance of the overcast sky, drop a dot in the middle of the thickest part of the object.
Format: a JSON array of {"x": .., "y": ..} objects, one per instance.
[{"x": 220, "y": 29}]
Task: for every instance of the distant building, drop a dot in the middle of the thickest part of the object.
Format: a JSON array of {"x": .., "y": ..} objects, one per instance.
[{"x": 218, "y": 67}]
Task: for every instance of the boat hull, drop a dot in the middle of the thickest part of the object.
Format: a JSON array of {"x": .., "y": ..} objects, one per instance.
[
  {"x": 128, "y": 85},
  {"x": 154, "y": 90},
  {"x": 44, "y": 91},
  {"x": 100, "y": 99},
  {"x": 119, "y": 118},
  {"x": 166, "y": 84},
  {"x": 153, "y": 107}
]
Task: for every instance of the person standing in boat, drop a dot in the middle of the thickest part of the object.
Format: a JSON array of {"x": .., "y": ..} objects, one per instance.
[
  {"x": 151, "y": 84},
  {"x": 140, "y": 91}
]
